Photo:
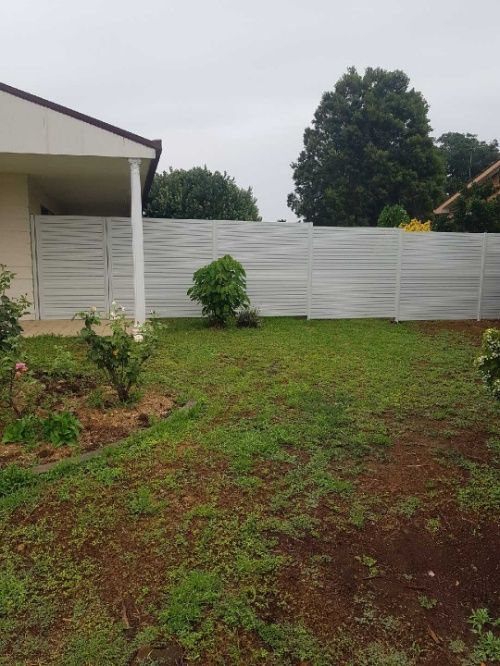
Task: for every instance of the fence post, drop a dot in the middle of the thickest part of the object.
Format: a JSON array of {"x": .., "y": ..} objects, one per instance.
[
  {"x": 398, "y": 275},
  {"x": 481, "y": 275},
  {"x": 310, "y": 247},
  {"x": 214, "y": 240}
]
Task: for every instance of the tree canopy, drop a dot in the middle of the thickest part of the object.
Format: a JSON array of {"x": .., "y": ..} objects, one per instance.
[
  {"x": 465, "y": 156},
  {"x": 199, "y": 193},
  {"x": 369, "y": 146},
  {"x": 477, "y": 210}
]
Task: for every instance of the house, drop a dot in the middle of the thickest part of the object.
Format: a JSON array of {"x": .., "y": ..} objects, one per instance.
[
  {"x": 56, "y": 161},
  {"x": 491, "y": 174}
]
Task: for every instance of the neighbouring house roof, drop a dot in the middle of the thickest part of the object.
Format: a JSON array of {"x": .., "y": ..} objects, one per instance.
[
  {"x": 53, "y": 144},
  {"x": 489, "y": 173}
]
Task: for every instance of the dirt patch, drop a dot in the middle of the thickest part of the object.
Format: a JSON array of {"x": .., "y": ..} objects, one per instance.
[
  {"x": 473, "y": 330},
  {"x": 328, "y": 587},
  {"x": 455, "y": 567},
  {"x": 100, "y": 426}
]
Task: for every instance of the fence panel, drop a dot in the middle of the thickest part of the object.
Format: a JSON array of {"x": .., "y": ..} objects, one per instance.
[
  {"x": 440, "y": 276},
  {"x": 292, "y": 269},
  {"x": 275, "y": 257},
  {"x": 173, "y": 250},
  {"x": 490, "y": 302},
  {"x": 354, "y": 272}
]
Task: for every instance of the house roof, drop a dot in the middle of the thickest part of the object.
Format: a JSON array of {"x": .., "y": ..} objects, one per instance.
[
  {"x": 480, "y": 178},
  {"x": 155, "y": 144}
]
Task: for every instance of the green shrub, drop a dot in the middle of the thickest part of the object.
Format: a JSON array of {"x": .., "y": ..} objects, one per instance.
[
  {"x": 488, "y": 363},
  {"x": 123, "y": 353},
  {"x": 11, "y": 310},
  {"x": 220, "y": 288},
  {"x": 248, "y": 318},
  {"x": 25, "y": 430},
  {"x": 61, "y": 428},
  {"x": 393, "y": 216}
]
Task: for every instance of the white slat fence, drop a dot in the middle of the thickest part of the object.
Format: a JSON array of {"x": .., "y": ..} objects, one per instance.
[{"x": 292, "y": 269}]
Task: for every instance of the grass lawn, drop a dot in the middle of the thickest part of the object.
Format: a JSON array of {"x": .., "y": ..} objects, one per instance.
[{"x": 331, "y": 497}]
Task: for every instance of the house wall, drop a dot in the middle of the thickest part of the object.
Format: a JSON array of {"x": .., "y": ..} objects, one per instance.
[{"x": 15, "y": 237}]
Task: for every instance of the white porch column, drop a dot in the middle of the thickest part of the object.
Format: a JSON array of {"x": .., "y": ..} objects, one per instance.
[{"x": 137, "y": 240}]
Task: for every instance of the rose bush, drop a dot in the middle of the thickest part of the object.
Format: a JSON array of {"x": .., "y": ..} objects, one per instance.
[
  {"x": 488, "y": 363},
  {"x": 122, "y": 354}
]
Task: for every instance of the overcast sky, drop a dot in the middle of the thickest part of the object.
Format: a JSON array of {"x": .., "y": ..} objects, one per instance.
[{"x": 233, "y": 84}]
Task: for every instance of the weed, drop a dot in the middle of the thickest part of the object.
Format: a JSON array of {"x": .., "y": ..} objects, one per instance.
[
  {"x": 433, "y": 525},
  {"x": 142, "y": 502},
  {"x": 187, "y": 600},
  {"x": 427, "y": 602},
  {"x": 482, "y": 490},
  {"x": 13, "y": 478},
  {"x": 24, "y": 430},
  {"x": 97, "y": 398},
  {"x": 370, "y": 563},
  {"x": 457, "y": 646},
  {"x": 13, "y": 592},
  {"x": 378, "y": 654},
  {"x": 95, "y": 639},
  {"x": 487, "y": 646},
  {"x": 61, "y": 428},
  {"x": 408, "y": 506}
]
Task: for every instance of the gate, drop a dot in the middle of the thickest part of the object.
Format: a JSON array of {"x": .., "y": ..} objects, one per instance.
[{"x": 71, "y": 265}]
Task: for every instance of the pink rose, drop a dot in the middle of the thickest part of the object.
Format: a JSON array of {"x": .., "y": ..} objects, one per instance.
[{"x": 21, "y": 367}]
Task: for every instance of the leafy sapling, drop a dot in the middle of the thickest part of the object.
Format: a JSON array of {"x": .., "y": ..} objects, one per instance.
[{"x": 220, "y": 288}]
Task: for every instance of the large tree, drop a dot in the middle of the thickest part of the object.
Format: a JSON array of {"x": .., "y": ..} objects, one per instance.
[
  {"x": 198, "y": 193},
  {"x": 369, "y": 146},
  {"x": 465, "y": 156}
]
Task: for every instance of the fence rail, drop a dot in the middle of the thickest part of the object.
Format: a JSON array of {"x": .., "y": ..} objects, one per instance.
[{"x": 292, "y": 269}]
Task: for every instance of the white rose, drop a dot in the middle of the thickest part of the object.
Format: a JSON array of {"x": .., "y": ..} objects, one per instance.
[{"x": 138, "y": 337}]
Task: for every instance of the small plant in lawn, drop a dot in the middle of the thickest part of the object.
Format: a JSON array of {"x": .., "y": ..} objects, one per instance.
[
  {"x": 248, "y": 318},
  {"x": 61, "y": 428},
  {"x": 408, "y": 506},
  {"x": 13, "y": 478},
  {"x": 220, "y": 288},
  {"x": 487, "y": 647},
  {"x": 369, "y": 562},
  {"x": 142, "y": 502},
  {"x": 122, "y": 354},
  {"x": 488, "y": 363},
  {"x": 427, "y": 602}
]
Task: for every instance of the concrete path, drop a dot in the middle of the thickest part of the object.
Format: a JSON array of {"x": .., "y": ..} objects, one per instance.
[{"x": 66, "y": 327}]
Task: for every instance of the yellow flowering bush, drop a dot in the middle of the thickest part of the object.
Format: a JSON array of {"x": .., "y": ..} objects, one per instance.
[{"x": 416, "y": 225}]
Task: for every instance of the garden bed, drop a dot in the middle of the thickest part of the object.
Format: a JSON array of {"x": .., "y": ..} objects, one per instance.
[{"x": 101, "y": 425}]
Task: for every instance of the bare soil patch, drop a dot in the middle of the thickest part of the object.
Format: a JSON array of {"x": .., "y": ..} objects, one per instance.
[
  {"x": 329, "y": 588},
  {"x": 473, "y": 330}
]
